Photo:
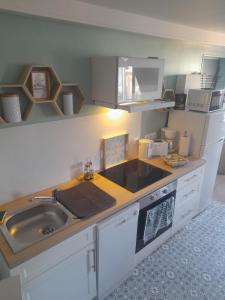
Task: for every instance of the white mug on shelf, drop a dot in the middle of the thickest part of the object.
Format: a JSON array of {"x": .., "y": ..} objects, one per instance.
[
  {"x": 68, "y": 103},
  {"x": 11, "y": 108}
]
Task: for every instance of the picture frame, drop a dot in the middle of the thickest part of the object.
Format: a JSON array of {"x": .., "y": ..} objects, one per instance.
[{"x": 40, "y": 85}]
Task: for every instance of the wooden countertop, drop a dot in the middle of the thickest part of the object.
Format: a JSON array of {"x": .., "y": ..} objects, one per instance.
[{"x": 122, "y": 196}]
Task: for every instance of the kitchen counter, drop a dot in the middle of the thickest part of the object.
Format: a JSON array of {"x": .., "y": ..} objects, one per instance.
[{"x": 123, "y": 198}]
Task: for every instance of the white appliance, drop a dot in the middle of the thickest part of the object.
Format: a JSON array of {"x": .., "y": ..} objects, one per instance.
[
  {"x": 207, "y": 134},
  {"x": 159, "y": 148},
  {"x": 205, "y": 100},
  {"x": 186, "y": 82},
  {"x": 132, "y": 84},
  {"x": 116, "y": 239}
]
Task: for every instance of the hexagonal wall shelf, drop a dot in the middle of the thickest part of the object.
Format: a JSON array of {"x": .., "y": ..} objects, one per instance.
[
  {"x": 26, "y": 102},
  {"x": 40, "y": 84},
  {"x": 78, "y": 97},
  {"x": 53, "y": 83}
]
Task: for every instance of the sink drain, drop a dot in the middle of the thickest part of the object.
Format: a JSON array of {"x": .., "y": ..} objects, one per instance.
[{"x": 47, "y": 230}]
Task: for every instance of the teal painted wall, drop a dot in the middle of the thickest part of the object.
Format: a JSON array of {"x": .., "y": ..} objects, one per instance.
[{"x": 66, "y": 46}]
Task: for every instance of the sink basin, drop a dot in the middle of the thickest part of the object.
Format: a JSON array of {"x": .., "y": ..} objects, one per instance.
[{"x": 34, "y": 222}]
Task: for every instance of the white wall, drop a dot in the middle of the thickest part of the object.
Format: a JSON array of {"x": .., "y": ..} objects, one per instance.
[{"x": 38, "y": 156}]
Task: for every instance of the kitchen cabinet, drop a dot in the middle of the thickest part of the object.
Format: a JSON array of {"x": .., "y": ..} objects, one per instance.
[
  {"x": 187, "y": 198},
  {"x": 116, "y": 239},
  {"x": 66, "y": 271},
  {"x": 71, "y": 279},
  {"x": 128, "y": 83}
]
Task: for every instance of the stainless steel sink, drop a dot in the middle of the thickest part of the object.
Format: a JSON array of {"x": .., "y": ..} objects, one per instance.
[{"x": 35, "y": 221}]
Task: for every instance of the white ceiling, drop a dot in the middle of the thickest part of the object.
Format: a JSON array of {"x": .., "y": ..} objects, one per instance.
[{"x": 204, "y": 14}]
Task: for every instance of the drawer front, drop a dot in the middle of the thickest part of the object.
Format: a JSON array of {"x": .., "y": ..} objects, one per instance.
[
  {"x": 185, "y": 212},
  {"x": 190, "y": 178},
  {"x": 183, "y": 196},
  {"x": 121, "y": 217},
  {"x": 51, "y": 257}
]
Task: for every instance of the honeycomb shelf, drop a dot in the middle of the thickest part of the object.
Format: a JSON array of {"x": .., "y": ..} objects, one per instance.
[
  {"x": 53, "y": 92},
  {"x": 26, "y": 102},
  {"x": 78, "y": 98},
  {"x": 54, "y": 83}
]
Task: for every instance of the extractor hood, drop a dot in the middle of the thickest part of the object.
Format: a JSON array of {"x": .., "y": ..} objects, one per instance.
[
  {"x": 136, "y": 106},
  {"x": 131, "y": 84}
]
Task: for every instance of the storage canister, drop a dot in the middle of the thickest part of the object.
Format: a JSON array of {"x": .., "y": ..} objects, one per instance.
[
  {"x": 68, "y": 103},
  {"x": 11, "y": 108}
]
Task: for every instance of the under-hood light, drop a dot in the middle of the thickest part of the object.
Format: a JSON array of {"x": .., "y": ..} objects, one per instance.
[{"x": 115, "y": 114}]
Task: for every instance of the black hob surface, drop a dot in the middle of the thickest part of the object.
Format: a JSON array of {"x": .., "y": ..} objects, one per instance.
[{"x": 134, "y": 175}]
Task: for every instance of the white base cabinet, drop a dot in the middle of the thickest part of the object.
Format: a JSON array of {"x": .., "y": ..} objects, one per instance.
[
  {"x": 187, "y": 198},
  {"x": 65, "y": 271},
  {"x": 71, "y": 280},
  {"x": 68, "y": 270},
  {"x": 116, "y": 239}
]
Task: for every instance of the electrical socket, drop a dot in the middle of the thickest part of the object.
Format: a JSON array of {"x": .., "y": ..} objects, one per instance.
[{"x": 151, "y": 136}]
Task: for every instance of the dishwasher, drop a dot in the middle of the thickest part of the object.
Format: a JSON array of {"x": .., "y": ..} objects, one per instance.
[{"x": 116, "y": 238}]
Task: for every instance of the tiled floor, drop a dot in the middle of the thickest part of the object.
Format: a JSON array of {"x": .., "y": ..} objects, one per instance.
[{"x": 191, "y": 265}]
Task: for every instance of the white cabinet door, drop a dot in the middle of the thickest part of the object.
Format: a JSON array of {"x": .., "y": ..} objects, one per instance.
[
  {"x": 116, "y": 248},
  {"x": 72, "y": 279},
  {"x": 187, "y": 198}
]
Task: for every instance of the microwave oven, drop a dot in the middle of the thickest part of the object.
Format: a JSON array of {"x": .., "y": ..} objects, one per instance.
[
  {"x": 120, "y": 82},
  {"x": 205, "y": 100}
]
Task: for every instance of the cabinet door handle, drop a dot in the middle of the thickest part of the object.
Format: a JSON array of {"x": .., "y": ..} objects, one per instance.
[
  {"x": 24, "y": 276},
  {"x": 190, "y": 193},
  {"x": 192, "y": 177},
  {"x": 26, "y": 296},
  {"x": 92, "y": 260},
  {"x": 23, "y": 296},
  {"x": 121, "y": 222}
]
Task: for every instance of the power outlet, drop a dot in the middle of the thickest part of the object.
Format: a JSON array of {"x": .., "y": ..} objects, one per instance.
[{"x": 151, "y": 136}]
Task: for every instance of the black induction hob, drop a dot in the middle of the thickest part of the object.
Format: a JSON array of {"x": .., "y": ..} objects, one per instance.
[{"x": 134, "y": 175}]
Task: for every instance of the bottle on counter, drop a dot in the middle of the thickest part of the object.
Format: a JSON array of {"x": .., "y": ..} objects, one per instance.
[{"x": 88, "y": 171}]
